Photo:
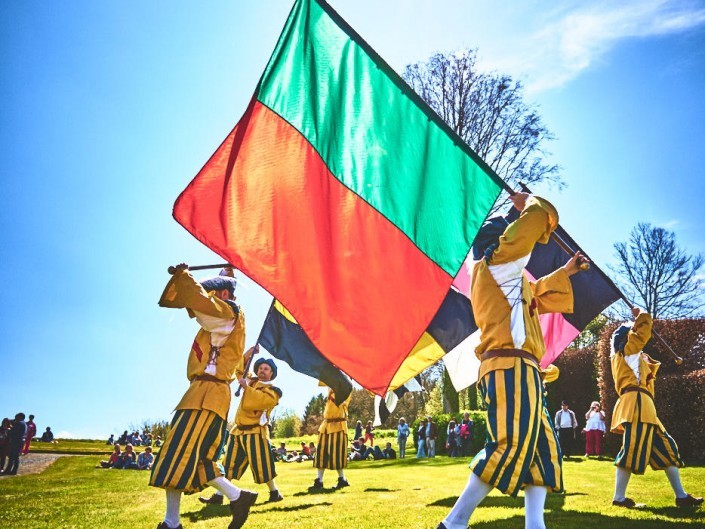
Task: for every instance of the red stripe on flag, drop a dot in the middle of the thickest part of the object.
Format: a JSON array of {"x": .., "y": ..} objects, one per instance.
[{"x": 267, "y": 203}]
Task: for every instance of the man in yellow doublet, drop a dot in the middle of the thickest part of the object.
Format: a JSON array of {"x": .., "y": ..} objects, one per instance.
[
  {"x": 522, "y": 450},
  {"x": 248, "y": 443},
  {"x": 644, "y": 438},
  {"x": 188, "y": 460},
  {"x": 332, "y": 450}
]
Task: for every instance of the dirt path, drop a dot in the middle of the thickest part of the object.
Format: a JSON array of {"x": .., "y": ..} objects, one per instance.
[{"x": 34, "y": 463}]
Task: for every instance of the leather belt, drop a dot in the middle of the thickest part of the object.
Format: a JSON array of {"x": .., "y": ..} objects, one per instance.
[
  {"x": 248, "y": 427},
  {"x": 509, "y": 353},
  {"x": 630, "y": 389},
  {"x": 336, "y": 420},
  {"x": 211, "y": 378}
]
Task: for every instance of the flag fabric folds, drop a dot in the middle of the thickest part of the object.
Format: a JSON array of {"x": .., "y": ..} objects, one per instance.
[
  {"x": 593, "y": 292},
  {"x": 282, "y": 336},
  {"x": 384, "y": 407},
  {"x": 344, "y": 195}
]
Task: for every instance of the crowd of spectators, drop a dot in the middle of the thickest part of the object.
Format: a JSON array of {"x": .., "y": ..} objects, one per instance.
[
  {"x": 136, "y": 439},
  {"x": 128, "y": 459}
]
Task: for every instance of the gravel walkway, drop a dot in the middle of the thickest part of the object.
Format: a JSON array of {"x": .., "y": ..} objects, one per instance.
[{"x": 34, "y": 463}]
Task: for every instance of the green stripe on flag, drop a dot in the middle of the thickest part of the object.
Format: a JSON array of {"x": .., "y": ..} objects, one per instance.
[{"x": 376, "y": 136}]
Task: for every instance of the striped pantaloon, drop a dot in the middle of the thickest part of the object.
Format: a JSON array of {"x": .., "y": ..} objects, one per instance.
[
  {"x": 189, "y": 457},
  {"x": 521, "y": 447}
]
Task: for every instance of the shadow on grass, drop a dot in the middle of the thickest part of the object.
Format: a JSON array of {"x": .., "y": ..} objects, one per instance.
[
  {"x": 554, "y": 502},
  {"x": 219, "y": 511},
  {"x": 315, "y": 492},
  {"x": 371, "y": 489},
  {"x": 576, "y": 520},
  {"x": 297, "y": 507},
  {"x": 678, "y": 513}
]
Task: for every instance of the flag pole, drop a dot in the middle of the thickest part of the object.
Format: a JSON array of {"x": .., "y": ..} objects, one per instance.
[
  {"x": 247, "y": 367},
  {"x": 570, "y": 251},
  {"x": 172, "y": 269}
]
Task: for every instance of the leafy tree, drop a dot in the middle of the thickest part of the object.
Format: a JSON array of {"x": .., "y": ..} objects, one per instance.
[
  {"x": 286, "y": 424},
  {"x": 591, "y": 334},
  {"x": 313, "y": 414},
  {"x": 488, "y": 112},
  {"x": 658, "y": 275}
]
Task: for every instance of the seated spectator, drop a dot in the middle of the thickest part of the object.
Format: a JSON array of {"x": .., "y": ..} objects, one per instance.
[
  {"x": 47, "y": 436},
  {"x": 144, "y": 461},
  {"x": 305, "y": 451},
  {"x": 144, "y": 438},
  {"x": 123, "y": 438},
  {"x": 127, "y": 458},
  {"x": 136, "y": 439},
  {"x": 389, "y": 452},
  {"x": 158, "y": 441},
  {"x": 147, "y": 441},
  {"x": 377, "y": 453},
  {"x": 357, "y": 450},
  {"x": 111, "y": 440},
  {"x": 113, "y": 457},
  {"x": 281, "y": 452},
  {"x": 312, "y": 449}
]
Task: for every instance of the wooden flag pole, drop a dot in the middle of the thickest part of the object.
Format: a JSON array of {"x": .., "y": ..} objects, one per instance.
[{"x": 570, "y": 251}]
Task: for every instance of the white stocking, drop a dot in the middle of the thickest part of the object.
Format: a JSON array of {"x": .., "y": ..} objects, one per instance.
[
  {"x": 620, "y": 484},
  {"x": 675, "y": 478},
  {"x": 475, "y": 491},
  {"x": 534, "y": 501},
  {"x": 173, "y": 506},
  {"x": 225, "y": 488}
]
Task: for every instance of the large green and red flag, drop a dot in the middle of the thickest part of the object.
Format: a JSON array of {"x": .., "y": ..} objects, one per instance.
[{"x": 344, "y": 195}]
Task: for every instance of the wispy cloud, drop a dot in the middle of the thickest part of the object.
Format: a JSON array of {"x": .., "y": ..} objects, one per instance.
[
  {"x": 671, "y": 224},
  {"x": 573, "y": 38}
]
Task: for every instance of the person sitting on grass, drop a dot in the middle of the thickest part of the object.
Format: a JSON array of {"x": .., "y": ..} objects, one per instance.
[
  {"x": 358, "y": 450},
  {"x": 127, "y": 458},
  {"x": 112, "y": 459},
  {"x": 282, "y": 453},
  {"x": 47, "y": 436},
  {"x": 144, "y": 461}
]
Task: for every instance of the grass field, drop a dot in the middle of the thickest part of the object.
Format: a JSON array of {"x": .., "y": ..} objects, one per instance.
[{"x": 410, "y": 493}]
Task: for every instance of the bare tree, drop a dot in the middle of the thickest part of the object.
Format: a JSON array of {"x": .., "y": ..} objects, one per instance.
[
  {"x": 659, "y": 275},
  {"x": 488, "y": 112}
]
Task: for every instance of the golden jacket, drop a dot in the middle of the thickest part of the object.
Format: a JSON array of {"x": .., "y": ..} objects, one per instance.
[
  {"x": 258, "y": 401},
  {"x": 641, "y": 373},
  {"x": 332, "y": 414},
  {"x": 506, "y": 302},
  {"x": 217, "y": 349}
]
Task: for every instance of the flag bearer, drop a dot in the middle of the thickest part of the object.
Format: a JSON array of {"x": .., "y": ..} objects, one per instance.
[
  {"x": 644, "y": 439},
  {"x": 523, "y": 451},
  {"x": 188, "y": 459},
  {"x": 332, "y": 451},
  {"x": 248, "y": 443}
]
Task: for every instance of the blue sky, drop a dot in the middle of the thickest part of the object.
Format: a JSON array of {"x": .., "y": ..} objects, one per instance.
[{"x": 109, "y": 109}]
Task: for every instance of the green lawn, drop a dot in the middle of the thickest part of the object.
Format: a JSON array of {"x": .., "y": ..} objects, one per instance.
[{"x": 404, "y": 493}]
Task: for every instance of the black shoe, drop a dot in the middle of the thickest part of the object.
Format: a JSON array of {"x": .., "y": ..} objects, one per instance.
[
  {"x": 240, "y": 508},
  {"x": 341, "y": 484},
  {"x": 317, "y": 485},
  {"x": 274, "y": 495},
  {"x": 688, "y": 501},
  {"x": 216, "y": 499},
  {"x": 626, "y": 502},
  {"x": 441, "y": 526},
  {"x": 163, "y": 525}
]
